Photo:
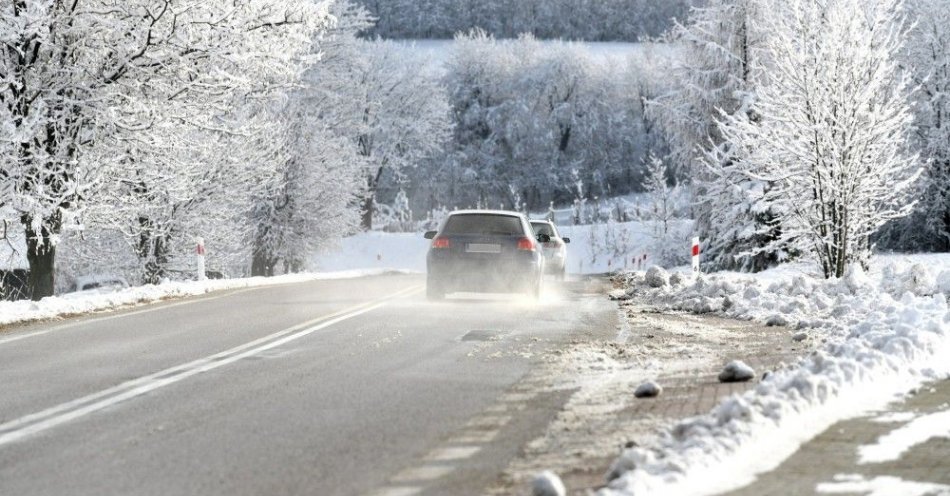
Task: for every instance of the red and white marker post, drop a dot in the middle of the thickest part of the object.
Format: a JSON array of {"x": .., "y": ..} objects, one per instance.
[
  {"x": 200, "y": 257},
  {"x": 696, "y": 255}
]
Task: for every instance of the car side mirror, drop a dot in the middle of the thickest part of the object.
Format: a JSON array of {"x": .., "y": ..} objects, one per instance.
[
  {"x": 567, "y": 241},
  {"x": 544, "y": 238},
  {"x": 431, "y": 234}
]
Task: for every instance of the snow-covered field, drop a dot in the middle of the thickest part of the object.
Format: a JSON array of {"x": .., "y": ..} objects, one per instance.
[{"x": 882, "y": 334}]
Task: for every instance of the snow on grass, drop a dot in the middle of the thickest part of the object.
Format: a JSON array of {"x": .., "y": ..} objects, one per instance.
[
  {"x": 84, "y": 302},
  {"x": 885, "y": 333},
  {"x": 377, "y": 250}
]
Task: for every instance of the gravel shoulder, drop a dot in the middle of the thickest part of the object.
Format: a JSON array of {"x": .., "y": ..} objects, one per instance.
[{"x": 683, "y": 353}]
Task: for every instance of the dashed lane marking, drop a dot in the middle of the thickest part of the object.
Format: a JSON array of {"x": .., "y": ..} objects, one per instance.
[
  {"x": 518, "y": 397},
  {"x": 425, "y": 473},
  {"x": 474, "y": 437},
  {"x": 396, "y": 491},
  {"x": 495, "y": 421},
  {"x": 453, "y": 453}
]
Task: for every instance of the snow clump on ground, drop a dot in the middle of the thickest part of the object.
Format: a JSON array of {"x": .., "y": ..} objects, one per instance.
[
  {"x": 883, "y": 334},
  {"x": 547, "y": 483},
  {"x": 657, "y": 277},
  {"x": 736, "y": 371}
]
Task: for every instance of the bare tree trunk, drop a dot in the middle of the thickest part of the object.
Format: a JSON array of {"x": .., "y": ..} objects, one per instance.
[
  {"x": 262, "y": 265},
  {"x": 369, "y": 205},
  {"x": 41, "y": 254},
  {"x": 264, "y": 261}
]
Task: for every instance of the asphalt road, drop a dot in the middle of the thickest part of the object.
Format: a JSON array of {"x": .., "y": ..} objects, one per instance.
[{"x": 344, "y": 387}]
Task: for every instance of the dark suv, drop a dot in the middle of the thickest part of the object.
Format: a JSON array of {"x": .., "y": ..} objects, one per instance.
[{"x": 484, "y": 251}]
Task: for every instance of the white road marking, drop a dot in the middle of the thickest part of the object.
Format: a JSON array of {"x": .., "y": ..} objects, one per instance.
[
  {"x": 424, "y": 473},
  {"x": 397, "y": 491},
  {"x": 454, "y": 453},
  {"x": 475, "y": 437},
  {"x": 518, "y": 397},
  {"x": 489, "y": 421},
  {"x": 22, "y": 427},
  {"x": 154, "y": 307}
]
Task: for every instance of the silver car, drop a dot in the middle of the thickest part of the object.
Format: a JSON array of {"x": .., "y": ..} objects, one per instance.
[{"x": 555, "y": 250}]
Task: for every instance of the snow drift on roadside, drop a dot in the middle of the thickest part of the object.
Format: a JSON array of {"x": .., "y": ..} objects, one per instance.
[
  {"x": 884, "y": 335},
  {"x": 12, "y": 312}
]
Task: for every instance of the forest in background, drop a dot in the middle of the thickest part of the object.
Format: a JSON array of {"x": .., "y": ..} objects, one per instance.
[{"x": 577, "y": 20}]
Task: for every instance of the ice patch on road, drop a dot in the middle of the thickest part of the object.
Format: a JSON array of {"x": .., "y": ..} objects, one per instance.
[
  {"x": 891, "y": 446},
  {"x": 895, "y": 417},
  {"x": 880, "y": 486}
]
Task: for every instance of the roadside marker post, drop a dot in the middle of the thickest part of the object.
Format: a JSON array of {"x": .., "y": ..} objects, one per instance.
[
  {"x": 696, "y": 253},
  {"x": 200, "y": 257}
]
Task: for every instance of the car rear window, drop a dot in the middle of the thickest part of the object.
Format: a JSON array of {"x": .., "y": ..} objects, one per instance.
[
  {"x": 483, "y": 224},
  {"x": 543, "y": 228}
]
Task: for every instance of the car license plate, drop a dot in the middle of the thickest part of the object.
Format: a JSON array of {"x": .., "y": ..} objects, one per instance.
[{"x": 482, "y": 248}]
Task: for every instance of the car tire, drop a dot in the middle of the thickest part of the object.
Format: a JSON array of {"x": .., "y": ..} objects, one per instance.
[
  {"x": 534, "y": 290},
  {"x": 435, "y": 291}
]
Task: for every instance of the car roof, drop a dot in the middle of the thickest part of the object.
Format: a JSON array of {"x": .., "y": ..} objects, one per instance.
[
  {"x": 508, "y": 213},
  {"x": 541, "y": 221}
]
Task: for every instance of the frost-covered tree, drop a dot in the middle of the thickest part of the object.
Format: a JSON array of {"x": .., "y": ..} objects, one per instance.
[
  {"x": 831, "y": 125},
  {"x": 600, "y": 20},
  {"x": 385, "y": 99},
  {"x": 927, "y": 57},
  {"x": 312, "y": 190},
  {"x": 404, "y": 115},
  {"x": 181, "y": 183},
  {"x": 719, "y": 70},
  {"x": 75, "y": 74},
  {"x": 309, "y": 200},
  {"x": 662, "y": 209},
  {"x": 533, "y": 118}
]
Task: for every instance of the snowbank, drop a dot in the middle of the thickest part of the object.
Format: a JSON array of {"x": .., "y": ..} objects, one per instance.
[
  {"x": 884, "y": 334},
  {"x": 83, "y": 302}
]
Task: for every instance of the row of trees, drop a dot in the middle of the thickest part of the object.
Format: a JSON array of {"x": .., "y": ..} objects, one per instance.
[
  {"x": 101, "y": 98},
  {"x": 590, "y": 20},
  {"x": 804, "y": 124},
  {"x": 536, "y": 122},
  {"x": 262, "y": 125}
]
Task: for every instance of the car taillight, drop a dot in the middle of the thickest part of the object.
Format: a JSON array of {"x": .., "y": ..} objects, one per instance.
[
  {"x": 526, "y": 244},
  {"x": 441, "y": 243}
]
